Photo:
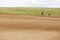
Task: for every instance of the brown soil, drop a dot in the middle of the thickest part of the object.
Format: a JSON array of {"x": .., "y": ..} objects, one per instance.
[
  {"x": 29, "y": 22},
  {"x": 41, "y": 27}
]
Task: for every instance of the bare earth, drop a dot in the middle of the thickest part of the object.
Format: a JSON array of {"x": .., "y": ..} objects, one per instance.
[{"x": 27, "y": 27}]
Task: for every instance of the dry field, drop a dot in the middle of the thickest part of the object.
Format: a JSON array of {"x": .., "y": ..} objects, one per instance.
[{"x": 27, "y": 27}]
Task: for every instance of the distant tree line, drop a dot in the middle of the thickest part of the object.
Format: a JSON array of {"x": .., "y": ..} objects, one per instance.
[{"x": 42, "y": 13}]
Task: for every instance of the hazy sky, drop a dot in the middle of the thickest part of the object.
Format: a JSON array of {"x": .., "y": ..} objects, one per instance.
[{"x": 30, "y": 3}]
